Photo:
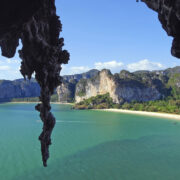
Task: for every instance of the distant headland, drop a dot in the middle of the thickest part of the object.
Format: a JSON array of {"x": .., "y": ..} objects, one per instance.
[{"x": 155, "y": 91}]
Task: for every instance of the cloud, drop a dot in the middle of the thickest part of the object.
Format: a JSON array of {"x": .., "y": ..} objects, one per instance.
[
  {"x": 79, "y": 69},
  {"x": 4, "y": 68},
  {"x": 74, "y": 70},
  {"x": 9, "y": 69},
  {"x": 114, "y": 66},
  {"x": 12, "y": 61},
  {"x": 144, "y": 65}
]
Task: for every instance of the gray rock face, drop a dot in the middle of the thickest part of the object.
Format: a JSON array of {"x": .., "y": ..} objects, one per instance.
[
  {"x": 100, "y": 84},
  {"x": 77, "y": 77},
  {"x": 21, "y": 88},
  {"x": 66, "y": 91},
  {"x": 18, "y": 89},
  {"x": 139, "y": 86},
  {"x": 128, "y": 93}
]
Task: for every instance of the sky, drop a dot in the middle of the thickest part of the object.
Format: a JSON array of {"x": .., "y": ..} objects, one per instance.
[{"x": 111, "y": 34}]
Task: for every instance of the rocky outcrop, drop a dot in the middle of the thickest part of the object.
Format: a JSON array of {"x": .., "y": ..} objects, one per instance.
[
  {"x": 77, "y": 77},
  {"x": 18, "y": 89},
  {"x": 21, "y": 88},
  {"x": 101, "y": 84},
  {"x": 140, "y": 86},
  {"x": 66, "y": 91},
  {"x": 169, "y": 16}
]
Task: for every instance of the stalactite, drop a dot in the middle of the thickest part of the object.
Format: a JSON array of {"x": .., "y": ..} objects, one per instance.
[
  {"x": 169, "y": 16},
  {"x": 39, "y": 29}
]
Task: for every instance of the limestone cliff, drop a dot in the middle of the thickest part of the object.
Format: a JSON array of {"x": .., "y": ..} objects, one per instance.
[
  {"x": 77, "y": 77},
  {"x": 100, "y": 84},
  {"x": 140, "y": 86},
  {"x": 66, "y": 91},
  {"x": 18, "y": 89}
]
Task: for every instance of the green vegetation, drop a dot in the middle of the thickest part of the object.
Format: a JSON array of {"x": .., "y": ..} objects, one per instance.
[
  {"x": 173, "y": 82},
  {"x": 167, "y": 82},
  {"x": 82, "y": 84},
  {"x": 169, "y": 105},
  {"x": 28, "y": 99},
  {"x": 81, "y": 93},
  {"x": 98, "y": 102},
  {"x": 54, "y": 98}
]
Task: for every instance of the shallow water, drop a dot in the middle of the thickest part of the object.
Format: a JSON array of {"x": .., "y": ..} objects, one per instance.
[{"x": 88, "y": 145}]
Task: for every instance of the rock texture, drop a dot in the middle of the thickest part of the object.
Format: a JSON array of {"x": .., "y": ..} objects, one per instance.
[
  {"x": 21, "y": 88},
  {"x": 100, "y": 84},
  {"x": 87, "y": 75},
  {"x": 66, "y": 91},
  {"x": 122, "y": 87},
  {"x": 35, "y": 22},
  {"x": 169, "y": 16},
  {"x": 18, "y": 89}
]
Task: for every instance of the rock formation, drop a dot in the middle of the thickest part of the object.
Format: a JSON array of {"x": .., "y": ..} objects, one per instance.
[
  {"x": 169, "y": 16},
  {"x": 18, "y": 89},
  {"x": 87, "y": 75},
  {"x": 66, "y": 91},
  {"x": 122, "y": 87},
  {"x": 101, "y": 84},
  {"x": 36, "y": 24},
  {"x": 22, "y": 89}
]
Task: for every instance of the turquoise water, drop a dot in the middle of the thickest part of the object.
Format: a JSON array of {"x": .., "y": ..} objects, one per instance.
[{"x": 88, "y": 145}]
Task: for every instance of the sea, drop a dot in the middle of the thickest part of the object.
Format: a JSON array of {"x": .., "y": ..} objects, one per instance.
[{"x": 88, "y": 145}]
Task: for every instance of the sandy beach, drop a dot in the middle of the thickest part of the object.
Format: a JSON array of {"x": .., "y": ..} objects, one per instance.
[
  {"x": 145, "y": 113},
  {"x": 62, "y": 103},
  {"x": 155, "y": 114}
]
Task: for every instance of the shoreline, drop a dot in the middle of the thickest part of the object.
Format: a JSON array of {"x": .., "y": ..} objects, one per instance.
[
  {"x": 62, "y": 103},
  {"x": 146, "y": 113},
  {"x": 25, "y": 102}
]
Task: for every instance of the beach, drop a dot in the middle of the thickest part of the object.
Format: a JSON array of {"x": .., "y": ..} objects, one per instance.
[
  {"x": 155, "y": 114},
  {"x": 144, "y": 113}
]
